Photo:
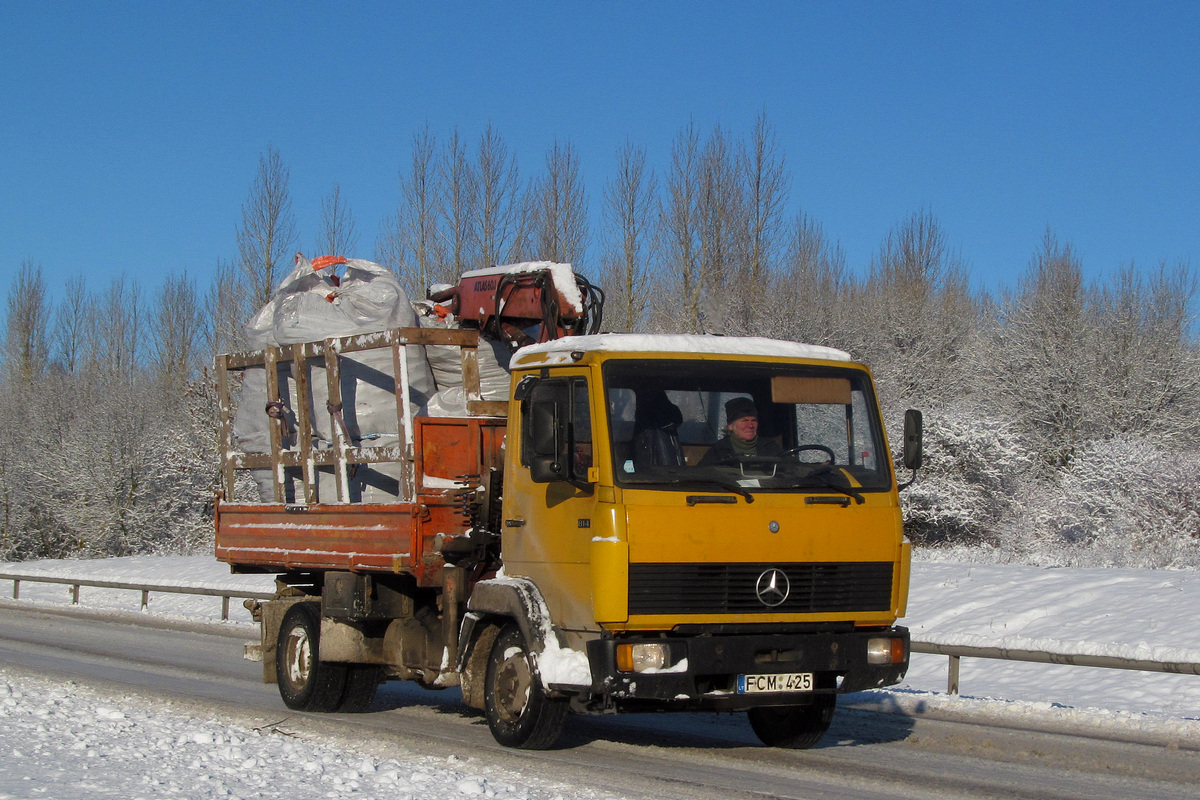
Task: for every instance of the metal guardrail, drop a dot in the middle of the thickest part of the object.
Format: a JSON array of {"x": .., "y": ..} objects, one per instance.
[
  {"x": 144, "y": 588},
  {"x": 957, "y": 652},
  {"x": 954, "y": 652}
]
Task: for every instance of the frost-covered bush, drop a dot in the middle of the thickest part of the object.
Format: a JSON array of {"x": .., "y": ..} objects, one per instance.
[
  {"x": 973, "y": 468},
  {"x": 106, "y": 469},
  {"x": 1127, "y": 501}
]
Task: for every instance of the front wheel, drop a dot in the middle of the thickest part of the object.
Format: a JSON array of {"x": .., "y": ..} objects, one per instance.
[
  {"x": 794, "y": 727},
  {"x": 518, "y": 711}
]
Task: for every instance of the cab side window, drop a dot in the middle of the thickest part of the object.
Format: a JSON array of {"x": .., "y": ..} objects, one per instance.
[{"x": 581, "y": 429}]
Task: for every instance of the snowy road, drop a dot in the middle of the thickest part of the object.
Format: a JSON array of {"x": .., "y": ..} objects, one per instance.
[{"x": 866, "y": 755}]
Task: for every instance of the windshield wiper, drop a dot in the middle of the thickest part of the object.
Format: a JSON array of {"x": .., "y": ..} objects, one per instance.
[
  {"x": 824, "y": 475},
  {"x": 729, "y": 487}
]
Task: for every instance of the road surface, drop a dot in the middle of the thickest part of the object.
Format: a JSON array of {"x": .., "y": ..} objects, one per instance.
[{"x": 866, "y": 755}]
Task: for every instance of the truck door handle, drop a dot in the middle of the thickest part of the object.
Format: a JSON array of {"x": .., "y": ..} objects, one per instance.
[{"x": 514, "y": 523}]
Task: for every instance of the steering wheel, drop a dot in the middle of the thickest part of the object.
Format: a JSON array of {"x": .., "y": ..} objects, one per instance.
[{"x": 796, "y": 451}]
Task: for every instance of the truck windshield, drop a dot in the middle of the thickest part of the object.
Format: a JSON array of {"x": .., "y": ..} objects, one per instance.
[{"x": 703, "y": 425}]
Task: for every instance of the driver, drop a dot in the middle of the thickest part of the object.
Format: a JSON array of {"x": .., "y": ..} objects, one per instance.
[{"x": 741, "y": 436}]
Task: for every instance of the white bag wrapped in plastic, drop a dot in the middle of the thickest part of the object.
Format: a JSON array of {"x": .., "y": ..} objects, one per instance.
[
  {"x": 445, "y": 362},
  {"x": 312, "y": 304}
]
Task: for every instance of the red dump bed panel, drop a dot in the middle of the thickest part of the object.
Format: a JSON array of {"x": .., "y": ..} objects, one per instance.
[
  {"x": 344, "y": 537},
  {"x": 452, "y": 456}
]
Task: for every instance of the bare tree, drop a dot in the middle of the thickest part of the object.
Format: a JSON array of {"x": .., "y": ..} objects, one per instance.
[
  {"x": 70, "y": 325},
  {"x": 1140, "y": 356},
  {"x": 925, "y": 312},
  {"x": 460, "y": 194},
  {"x": 26, "y": 349},
  {"x": 720, "y": 214},
  {"x": 630, "y": 203},
  {"x": 766, "y": 185},
  {"x": 560, "y": 226},
  {"x": 338, "y": 234},
  {"x": 682, "y": 233},
  {"x": 808, "y": 299},
  {"x": 1037, "y": 362},
  {"x": 224, "y": 311},
  {"x": 176, "y": 335},
  {"x": 497, "y": 209},
  {"x": 703, "y": 229},
  {"x": 266, "y": 236},
  {"x": 410, "y": 242},
  {"x": 116, "y": 322}
]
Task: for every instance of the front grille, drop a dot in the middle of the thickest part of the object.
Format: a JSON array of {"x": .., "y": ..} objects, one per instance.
[{"x": 735, "y": 588}]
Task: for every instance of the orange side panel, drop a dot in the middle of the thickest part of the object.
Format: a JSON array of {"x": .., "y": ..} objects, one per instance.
[
  {"x": 451, "y": 447},
  {"x": 452, "y": 454},
  {"x": 373, "y": 537}
]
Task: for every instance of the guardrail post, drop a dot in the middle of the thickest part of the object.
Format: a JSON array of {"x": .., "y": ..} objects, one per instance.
[
  {"x": 16, "y": 589},
  {"x": 145, "y": 599},
  {"x": 75, "y": 594},
  {"x": 225, "y": 608},
  {"x": 952, "y": 675}
]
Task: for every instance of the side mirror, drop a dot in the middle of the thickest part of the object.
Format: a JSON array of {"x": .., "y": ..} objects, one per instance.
[
  {"x": 544, "y": 427},
  {"x": 913, "y": 436},
  {"x": 547, "y": 469}
]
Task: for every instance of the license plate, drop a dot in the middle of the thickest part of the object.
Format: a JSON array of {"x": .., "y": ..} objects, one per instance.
[{"x": 777, "y": 682}]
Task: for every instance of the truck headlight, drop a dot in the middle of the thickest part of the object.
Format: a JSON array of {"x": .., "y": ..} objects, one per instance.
[
  {"x": 642, "y": 656},
  {"x": 886, "y": 650}
]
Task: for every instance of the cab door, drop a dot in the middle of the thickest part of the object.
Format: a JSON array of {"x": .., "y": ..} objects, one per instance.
[{"x": 549, "y": 495}]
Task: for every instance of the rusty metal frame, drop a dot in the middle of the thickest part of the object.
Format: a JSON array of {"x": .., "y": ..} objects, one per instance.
[{"x": 299, "y": 454}]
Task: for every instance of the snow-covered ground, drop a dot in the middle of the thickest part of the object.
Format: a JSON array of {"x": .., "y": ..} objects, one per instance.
[
  {"x": 74, "y": 741},
  {"x": 66, "y": 741}
]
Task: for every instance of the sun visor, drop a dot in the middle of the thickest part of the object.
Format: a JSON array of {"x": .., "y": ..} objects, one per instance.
[{"x": 799, "y": 389}]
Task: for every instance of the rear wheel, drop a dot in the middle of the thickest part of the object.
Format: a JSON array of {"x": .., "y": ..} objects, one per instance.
[
  {"x": 305, "y": 682},
  {"x": 519, "y": 713},
  {"x": 795, "y": 727},
  {"x": 362, "y": 680}
]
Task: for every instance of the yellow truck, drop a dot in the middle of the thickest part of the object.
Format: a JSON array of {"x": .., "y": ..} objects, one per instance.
[{"x": 593, "y": 544}]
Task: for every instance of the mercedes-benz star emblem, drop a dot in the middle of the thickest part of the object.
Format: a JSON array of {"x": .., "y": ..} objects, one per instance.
[{"x": 773, "y": 587}]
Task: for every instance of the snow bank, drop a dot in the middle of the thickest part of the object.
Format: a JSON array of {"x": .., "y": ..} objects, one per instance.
[
  {"x": 1130, "y": 613},
  {"x": 1126, "y": 613},
  {"x": 64, "y": 740}
]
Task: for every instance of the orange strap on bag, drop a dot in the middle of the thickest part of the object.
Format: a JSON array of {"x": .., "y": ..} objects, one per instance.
[{"x": 321, "y": 262}]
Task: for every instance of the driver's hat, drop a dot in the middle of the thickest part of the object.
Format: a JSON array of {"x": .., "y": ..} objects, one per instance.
[{"x": 739, "y": 407}]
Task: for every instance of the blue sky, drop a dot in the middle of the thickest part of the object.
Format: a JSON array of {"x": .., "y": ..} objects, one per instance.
[{"x": 130, "y": 132}]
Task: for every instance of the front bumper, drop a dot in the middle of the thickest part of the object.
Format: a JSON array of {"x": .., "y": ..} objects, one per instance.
[{"x": 703, "y": 669}]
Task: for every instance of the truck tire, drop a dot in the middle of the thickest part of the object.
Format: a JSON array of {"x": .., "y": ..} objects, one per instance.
[
  {"x": 518, "y": 711},
  {"x": 794, "y": 727},
  {"x": 362, "y": 680},
  {"x": 305, "y": 682}
]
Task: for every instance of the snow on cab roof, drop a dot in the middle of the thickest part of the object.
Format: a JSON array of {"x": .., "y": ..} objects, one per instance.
[{"x": 670, "y": 343}]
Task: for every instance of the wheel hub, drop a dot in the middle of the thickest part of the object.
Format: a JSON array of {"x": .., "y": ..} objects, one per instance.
[
  {"x": 299, "y": 657},
  {"x": 513, "y": 680}
]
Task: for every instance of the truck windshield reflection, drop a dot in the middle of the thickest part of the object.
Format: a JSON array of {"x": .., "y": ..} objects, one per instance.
[{"x": 728, "y": 426}]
